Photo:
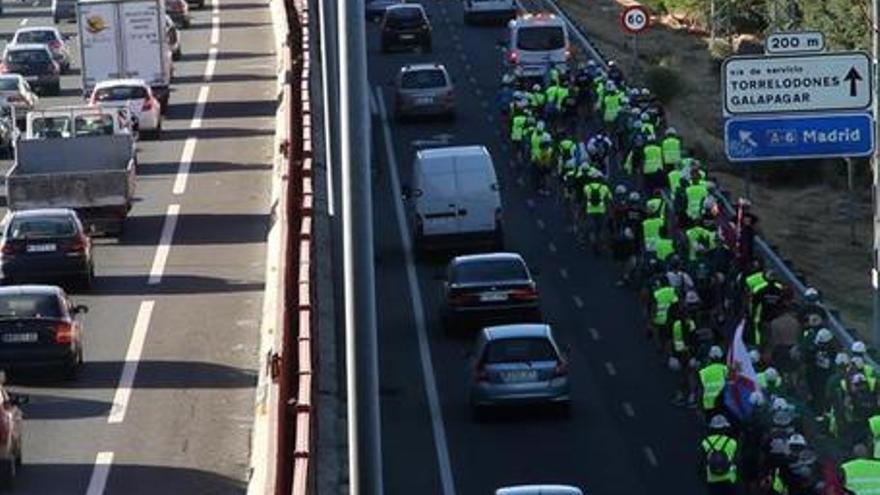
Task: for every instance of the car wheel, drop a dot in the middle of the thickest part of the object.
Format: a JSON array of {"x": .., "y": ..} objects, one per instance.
[
  {"x": 54, "y": 19},
  {"x": 19, "y": 458},
  {"x": 427, "y": 48},
  {"x": 7, "y": 473},
  {"x": 55, "y": 89},
  {"x": 385, "y": 48},
  {"x": 481, "y": 414},
  {"x": 86, "y": 281},
  {"x": 176, "y": 55},
  {"x": 563, "y": 409},
  {"x": 187, "y": 23}
]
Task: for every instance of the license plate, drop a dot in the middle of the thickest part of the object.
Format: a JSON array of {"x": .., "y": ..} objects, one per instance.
[
  {"x": 493, "y": 296},
  {"x": 407, "y": 37},
  {"x": 41, "y": 248},
  {"x": 31, "y": 78},
  {"x": 19, "y": 338},
  {"x": 424, "y": 101},
  {"x": 520, "y": 376}
]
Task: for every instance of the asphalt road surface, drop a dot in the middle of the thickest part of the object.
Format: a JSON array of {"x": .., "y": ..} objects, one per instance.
[
  {"x": 624, "y": 435},
  {"x": 164, "y": 403}
]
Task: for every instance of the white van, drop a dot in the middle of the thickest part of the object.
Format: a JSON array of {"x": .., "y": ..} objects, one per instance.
[
  {"x": 455, "y": 198},
  {"x": 489, "y": 9},
  {"x": 538, "y": 42}
]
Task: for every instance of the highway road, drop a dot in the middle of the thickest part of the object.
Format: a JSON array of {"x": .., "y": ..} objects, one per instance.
[
  {"x": 164, "y": 403},
  {"x": 624, "y": 435}
]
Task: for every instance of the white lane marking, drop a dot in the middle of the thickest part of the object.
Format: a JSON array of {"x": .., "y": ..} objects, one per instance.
[
  {"x": 530, "y": 203},
  {"x": 563, "y": 273},
  {"x": 100, "y": 473},
  {"x": 23, "y": 22},
  {"x": 578, "y": 301},
  {"x": 215, "y": 30},
  {"x": 594, "y": 334},
  {"x": 186, "y": 157},
  {"x": 541, "y": 224},
  {"x": 215, "y": 7},
  {"x": 164, "y": 246},
  {"x": 609, "y": 367},
  {"x": 132, "y": 357},
  {"x": 628, "y": 409},
  {"x": 199, "y": 112},
  {"x": 551, "y": 247},
  {"x": 442, "y": 449},
  {"x": 211, "y": 64},
  {"x": 649, "y": 453}
]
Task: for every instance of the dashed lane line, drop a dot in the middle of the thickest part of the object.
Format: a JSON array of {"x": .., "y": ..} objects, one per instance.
[
  {"x": 100, "y": 473},
  {"x": 132, "y": 358},
  {"x": 628, "y": 409},
  {"x": 594, "y": 334},
  {"x": 609, "y": 367},
  {"x": 649, "y": 454},
  {"x": 578, "y": 301},
  {"x": 164, "y": 247}
]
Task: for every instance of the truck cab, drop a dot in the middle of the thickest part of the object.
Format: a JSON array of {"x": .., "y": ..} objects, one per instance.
[{"x": 78, "y": 121}]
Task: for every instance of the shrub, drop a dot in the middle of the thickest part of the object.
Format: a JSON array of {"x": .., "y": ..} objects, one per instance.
[{"x": 663, "y": 82}]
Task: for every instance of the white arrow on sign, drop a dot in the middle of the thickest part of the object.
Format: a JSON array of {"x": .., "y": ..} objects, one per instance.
[
  {"x": 797, "y": 83},
  {"x": 745, "y": 137}
]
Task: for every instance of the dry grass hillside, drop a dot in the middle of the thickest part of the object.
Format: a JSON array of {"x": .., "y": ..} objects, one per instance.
[{"x": 810, "y": 224}]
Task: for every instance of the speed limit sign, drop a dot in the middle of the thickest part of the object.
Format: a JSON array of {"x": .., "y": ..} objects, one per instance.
[{"x": 634, "y": 19}]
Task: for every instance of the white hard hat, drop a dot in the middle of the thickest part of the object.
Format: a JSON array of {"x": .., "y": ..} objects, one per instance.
[
  {"x": 715, "y": 352},
  {"x": 779, "y": 404},
  {"x": 536, "y": 87},
  {"x": 611, "y": 86},
  {"x": 673, "y": 363},
  {"x": 620, "y": 190},
  {"x": 823, "y": 336},
  {"x": 754, "y": 355},
  {"x": 671, "y": 131},
  {"x": 545, "y": 138},
  {"x": 540, "y": 125},
  {"x": 756, "y": 398},
  {"x": 858, "y": 362},
  {"x": 771, "y": 374},
  {"x": 507, "y": 79},
  {"x": 859, "y": 347},
  {"x": 797, "y": 439},
  {"x": 635, "y": 196},
  {"x": 811, "y": 292},
  {"x": 718, "y": 422},
  {"x": 841, "y": 359},
  {"x": 857, "y": 378}
]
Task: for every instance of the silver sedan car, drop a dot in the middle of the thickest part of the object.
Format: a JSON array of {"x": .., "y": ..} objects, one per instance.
[
  {"x": 424, "y": 90},
  {"x": 516, "y": 365},
  {"x": 539, "y": 490}
]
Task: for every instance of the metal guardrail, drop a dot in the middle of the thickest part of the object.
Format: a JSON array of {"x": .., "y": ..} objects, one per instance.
[{"x": 771, "y": 258}]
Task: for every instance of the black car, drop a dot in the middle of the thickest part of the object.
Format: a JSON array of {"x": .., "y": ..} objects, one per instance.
[
  {"x": 406, "y": 25},
  {"x": 39, "y": 329},
  {"x": 485, "y": 289},
  {"x": 46, "y": 245},
  {"x": 36, "y": 64}
]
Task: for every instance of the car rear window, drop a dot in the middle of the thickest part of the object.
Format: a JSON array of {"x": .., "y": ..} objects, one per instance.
[
  {"x": 489, "y": 271},
  {"x": 418, "y": 79},
  {"x": 120, "y": 93},
  {"x": 93, "y": 125},
  {"x": 35, "y": 37},
  {"x": 8, "y": 84},
  {"x": 30, "y": 306},
  {"x": 27, "y": 56},
  {"x": 404, "y": 17},
  {"x": 37, "y": 227},
  {"x": 518, "y": 350},
  {"x": 539, "y": 38}
]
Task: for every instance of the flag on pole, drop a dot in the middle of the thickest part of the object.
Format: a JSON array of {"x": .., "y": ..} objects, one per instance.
[{"x": 741, "y": 377}]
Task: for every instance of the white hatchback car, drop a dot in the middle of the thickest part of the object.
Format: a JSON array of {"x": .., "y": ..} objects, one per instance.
[
  {"x": 475, "y": 10},
  {"x": 18, "y": 93},
  {"x": 144, "y": 106}
]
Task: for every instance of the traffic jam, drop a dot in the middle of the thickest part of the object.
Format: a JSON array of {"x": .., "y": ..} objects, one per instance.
[{"x": 56, "y": 207}]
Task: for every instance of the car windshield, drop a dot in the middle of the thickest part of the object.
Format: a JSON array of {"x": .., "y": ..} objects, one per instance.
[
  {"x": 540, "y": 38},
  {"x": 121, "y": 93},
  {"x": 35, "y": 37},
  {"x": 418, "y": 79},
  {"x": 51, "y": 127},
  {"x": 27, "y": 56},
  {"x": 489, "y": 271},
  {"x": 8, "y": 84},
  {"x": 41, "y": 227},
  {"x": 93, "y": 125},
  {"x": 519, "y": 350},
  {"x": 30, "y": 306}
]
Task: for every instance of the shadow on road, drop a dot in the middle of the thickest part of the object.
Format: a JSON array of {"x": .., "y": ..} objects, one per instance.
[
  {"x": 44, "y": 406},
  {"x": 130, "y": 479}
]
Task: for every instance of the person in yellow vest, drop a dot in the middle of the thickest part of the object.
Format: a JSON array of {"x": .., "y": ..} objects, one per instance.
[
  {"x": 664, "y": 298},
  {"x": 597, "y": 198},
  {"x": 720, "y": 457},
  {"x": 680, "y": 350},
  {"x": 696, "y": 194},
  {"x": 712, "y": 379},
  {"x": 860, "y": 350},
  {"x": 671, "y": 149},
  {"x": 861, "y": 476},
  {"x": 611, "y": 105},
  {"x": 874, "y": 431},
  {"x": 518, "y": 129},
  {"x": 652, "y": 168},
  {"x": 652, "y": 231},
  {"x": 543, "y": 161}
]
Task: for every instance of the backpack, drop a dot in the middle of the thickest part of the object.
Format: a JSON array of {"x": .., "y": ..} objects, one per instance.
[{"x": 718, "y": 462}]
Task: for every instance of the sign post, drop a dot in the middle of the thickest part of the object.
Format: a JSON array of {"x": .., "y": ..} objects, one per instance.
[{"x": 635, "y": 19}]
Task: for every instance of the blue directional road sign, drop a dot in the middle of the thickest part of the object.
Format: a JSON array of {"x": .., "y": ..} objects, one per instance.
[{"x": 791, "y": 137}]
